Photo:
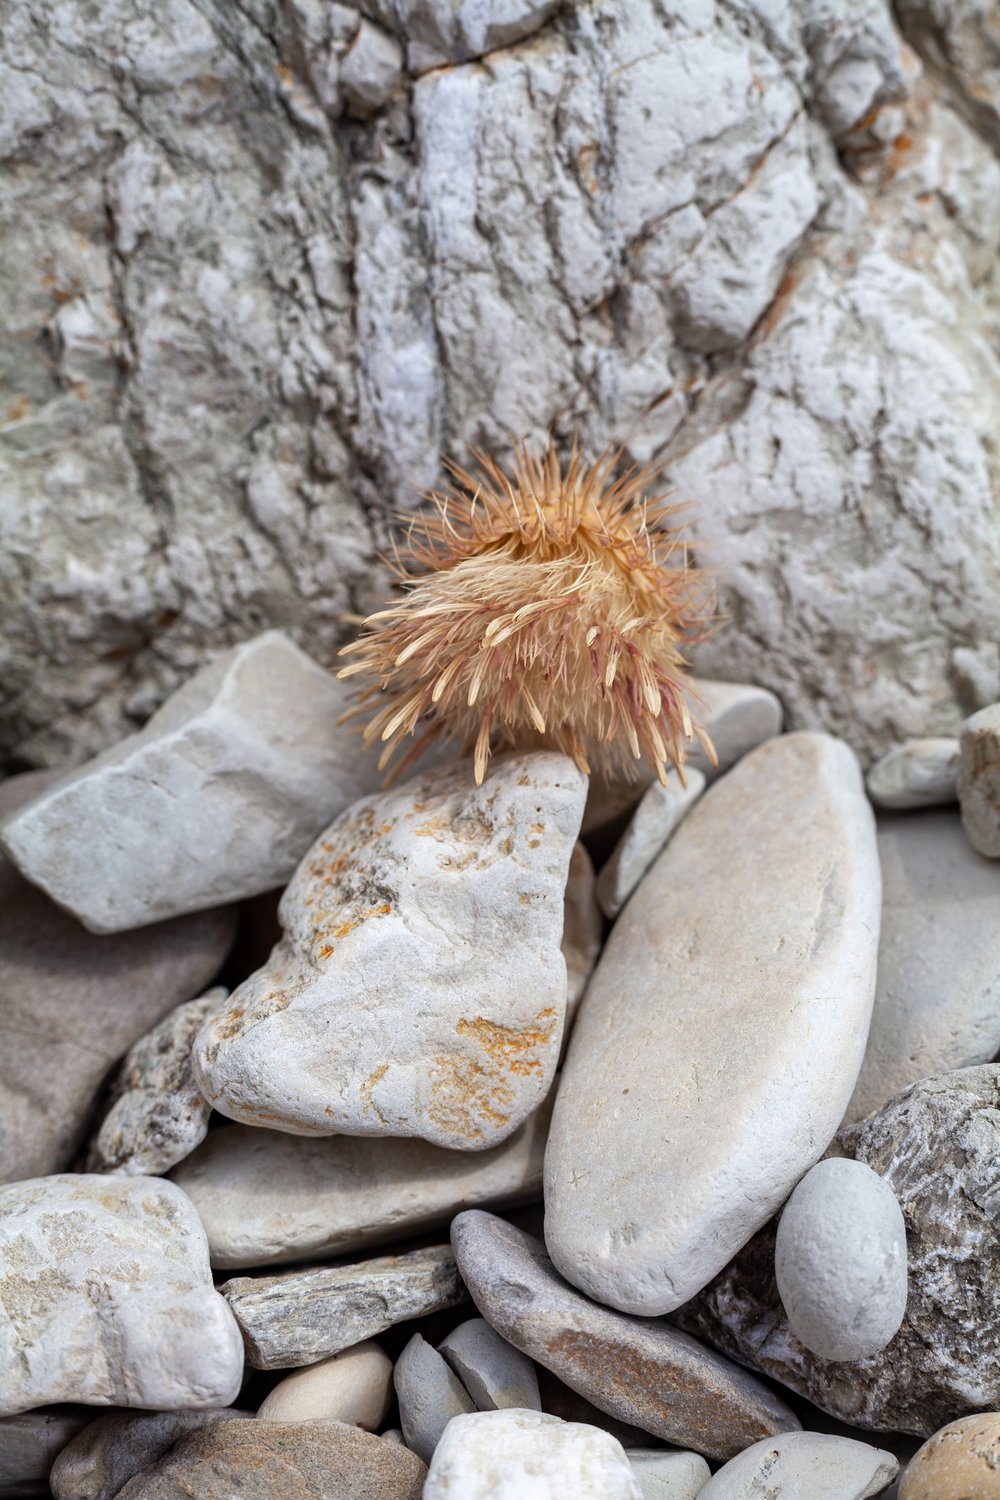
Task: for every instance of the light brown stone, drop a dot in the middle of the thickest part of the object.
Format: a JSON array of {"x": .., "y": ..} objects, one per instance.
[{"x": 961, "y": 1462}]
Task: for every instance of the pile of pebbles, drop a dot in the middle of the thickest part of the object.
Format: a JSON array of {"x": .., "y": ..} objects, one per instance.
[{"x": 545, "y": 1137}]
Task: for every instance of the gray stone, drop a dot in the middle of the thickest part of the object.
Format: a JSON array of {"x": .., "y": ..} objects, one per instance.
[
  {"x": 29, "y": 1442},
  {"x": 102, "y": 1458},
  {"x": 937, "y": 996},
  {"x": 157, "y": 1115},
  {"x": 495, "y": 1374},
  {"x": 919, "y": 773},
  {"x": 668, "y": 1476},
  {"x": 737, "y": 716},
  {"x": 936, "y": 1146},
  {"x": 265, "y": 1197},
  {"x": 800, "y": 1464},
  {"x": 371, "y": 71},
  {"x": 429, "y": 1395},
  {"x": 446, "y": 901},
  {"x": 979, "y": 780},
  {"x": 301, "y": 1316},
  {"x": 583, "y": 929},
  {"x": 217, "y": 798},
  {"x": 639, "y": 1370},
  {"x": 438, "y": 32},
  {"x": 489, "y": 1455},
  {"x": 840, "y": 1261},
  {"x": 72, "y": 1003},
  {"x": 659, "y": 812},
  {"x": 733, "y": 1006},
  {"x": 354, "y": 1386},
  {"x": 106, "y": 1298}
]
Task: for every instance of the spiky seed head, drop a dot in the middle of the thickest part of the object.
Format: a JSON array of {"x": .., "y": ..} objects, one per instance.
[{"x": 550, "y": 608}]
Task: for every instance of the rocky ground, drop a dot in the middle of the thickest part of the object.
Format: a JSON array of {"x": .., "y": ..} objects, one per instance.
[{"x": 467, "y": 1142}]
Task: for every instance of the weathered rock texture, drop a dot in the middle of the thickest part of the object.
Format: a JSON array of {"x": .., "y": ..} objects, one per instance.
[{"x": 749, "y": 239}]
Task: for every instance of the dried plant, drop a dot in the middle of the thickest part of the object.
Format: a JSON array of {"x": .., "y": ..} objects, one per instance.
[{"x": 547, "y": 609}]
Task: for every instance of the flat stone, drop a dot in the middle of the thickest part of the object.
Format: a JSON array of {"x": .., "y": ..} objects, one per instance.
[
  {"x": 317, "y": 1460},
  {"x": 429, "y": 1395},
  {"x": 979, "y": 780},
  {"x": 961, "y": 1462},
  {"x": 797, "y": 1465},
  {"x": 353, "y": 1387},
  {"x": 840, "y": 1260},
  {"x": 583, "y": 927},
  {"x": 918, "y": 773},
  {"x": 668, "y": 1476},
  {"x": 733, "y": 1008},
  {"x": 102, "y": 1458},
  {"x": 737, "y": 716},
  {"x": 72, "y": 1003},
  {"x": 106, "y": 1298},
  {"x": 660, "y": 811},
  {"x": 499, "y": 1455},
  {"x": 157, "y": 1114},
  {"x": 639, "y": 1370},
  {"x": 265, "y": 1197},
  {"x": 445, "y": 901},
  {"x": 936, "y": 1145},
  {"x": 495, "y": 1374},
  {"x": 301, "y": 1316},
  {"x": 217, "y": 798},
  {"x": 937, "y": 995},
  {"x": 29, "y": 1442}
]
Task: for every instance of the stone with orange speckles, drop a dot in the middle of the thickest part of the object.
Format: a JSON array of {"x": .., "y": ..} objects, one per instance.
[{"x": 419, "y": 988}]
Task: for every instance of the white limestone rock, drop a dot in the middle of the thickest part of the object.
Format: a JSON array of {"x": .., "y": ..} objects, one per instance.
[
  {"x": 495, "y": 1374},
  {"x": 419, "y": 987},
  {"x": 217, "y": 798},
  {"x": 840, "y": 1261},
  {"x": 371, "y": 70},
  {"x": 106, "y": 1298},
  {"x": 668, "y": 1476},
  {"x": 937, "y": 995},
  {"x": 438, "y": 32},
  {"x": 661, "y": 810},
  {"x": 799, "y": 1464},
  {"x": 732, "y": 1001},
  {"x": 354, "y": 1386},
  {"x": 979, "y": 780},
  {"x": 919, "y": 773},
  {"x": 502, "y": 1455}
]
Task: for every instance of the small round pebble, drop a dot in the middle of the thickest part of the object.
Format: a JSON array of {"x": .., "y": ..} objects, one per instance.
[
  {"x": 961, "y": 1462},
  {"x": 354, "y": 1387},
  {"x": 514, "y": 1454}
]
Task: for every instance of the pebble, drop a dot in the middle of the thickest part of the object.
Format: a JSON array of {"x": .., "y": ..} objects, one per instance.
[
  {"x": 217, "y": 798},
  {"x": 495, "y": 1374},
  {"x": 840, "y": 1261},
  {"x": 737, "y": 717},
  {"x": 446, "y": 900},
  {"x": 937, "y": 996},
  {"x": 265, "y": 1197},
  {"x": 918, "y": 773},
  {"x": 509, "y": 1455},
  {"x": 804, "y": 1466},
  {"x": 72, "y": 1003},
  {"x": 316, "y": 1460},
  {"x": 583, "y": 928},
  {"x": 735, "y": 1009},
  {"x": 29, "y": 1442},
  {"x": 979, "y": 780},
  {"x": 157, "y": 1115},
  {"x": 661, "y": 810},
  {"x": 429, "y": 1395},
  {"x": 101, "y": 1459},
  {"x": 961, "y": 1462},
  {"x": 668, "y": 1476},
  {"x": 354, "y": 1387},
  {"x": 302, "y": 1316},
  {"x": 639, "y": 1370},
  {"x": 106, "y": 1281},
  {"x": 936, "y": 1146}
]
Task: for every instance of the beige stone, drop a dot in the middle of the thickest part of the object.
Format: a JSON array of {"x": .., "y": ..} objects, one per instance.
[
  {"x": 979, "y": 780},
  {"x": 354, "y": 1386},
  {"x": 918, "y": 773},
  {"x": 960, "y": 1462}
]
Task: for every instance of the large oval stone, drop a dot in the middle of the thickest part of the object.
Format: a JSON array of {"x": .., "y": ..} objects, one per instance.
[{"x": 722, "y": 1032}]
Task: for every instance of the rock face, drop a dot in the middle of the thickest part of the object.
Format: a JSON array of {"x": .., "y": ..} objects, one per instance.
[
  {"x": 506, "y": 1453},
  {"x": 107, "y": 1283},
  {"x": 217, "y": 798},
  {"x": 936, "y": 1147},
  {"x": 638, "y": 1369},
  {"x": 959, "y": 1462},
  {"x": 100, "y": 1460},
  {"x": 796, "y": 1464},
  {"x": 71, "y": 1004},
  {"x": 735, "y": 1008},
  {"x": 937, "y": 996},
  {"x": 419, "y": 988},
  {"x": 921, "y": 773},
  {"x": 265, "y": 1197},
  {"x": 979, "y": 780}
]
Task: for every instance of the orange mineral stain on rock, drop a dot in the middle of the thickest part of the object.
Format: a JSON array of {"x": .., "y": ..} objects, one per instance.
[{"x": 507, "y": 1046}]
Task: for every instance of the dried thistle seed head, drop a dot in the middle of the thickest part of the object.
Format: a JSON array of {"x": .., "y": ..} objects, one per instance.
[{"x": 548, "y": 609}]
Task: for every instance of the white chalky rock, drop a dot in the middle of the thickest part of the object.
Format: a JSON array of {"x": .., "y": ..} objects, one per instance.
[
  {"x": 106, "y": 1297},
  {"x": 512, "y": 1454},
  {"x": 722, "y": 1032},
  {"x": 979, "y": 780},
  {"x": 218, "y": 797},
  {"x": 840, "y": 1261},
  {"x": 354, "y": 1386},
  {"x": 737, "y": 717},
  {"x": 654, "y": 820},
  {"x": 804, "y": 1466},
  {"x": 664, "y": 1475},
  {"x": 919, "y": 773},
  {"x": 419, "y": 988}
]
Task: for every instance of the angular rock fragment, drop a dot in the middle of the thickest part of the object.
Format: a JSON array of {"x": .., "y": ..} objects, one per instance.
[{"x": 495, "y": 1374}]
